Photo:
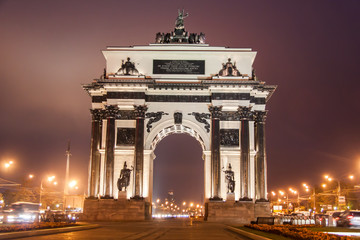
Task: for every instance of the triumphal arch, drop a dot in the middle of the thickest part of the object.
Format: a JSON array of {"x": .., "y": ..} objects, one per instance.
[{"x": 179, "y": 84}]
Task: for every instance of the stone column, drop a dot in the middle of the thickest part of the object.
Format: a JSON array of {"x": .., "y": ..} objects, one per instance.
[
  {"x": 260, "y": 158},
  {"x": 215, "y": 152},
  {"x": 111, "y": 112},
  {"x": 95, "y": 156},
  {"x": 245, "y": 115},
  {"x": 139, "y": 112}
]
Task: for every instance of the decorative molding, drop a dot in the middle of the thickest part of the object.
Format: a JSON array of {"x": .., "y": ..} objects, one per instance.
[
  {"x": 139, "y": 111},
  {"x": 153, "y": 117},
  {"x": 260, "y": 116},
  {"x": 178, "y": 117},
  {"x": 126, "y": 115},
  {"x": 125, "y": 95},
  {"x": 245, "y": 113},
  {"x": 229, "y": 137},
  {"x": 111, "y": 111},
  {"x": 97, "y": 114},
  {"x": 98, "y": 99},
  {"x": 215, "y": 111},
  {"x": 177, "y": 98},
  {"x": 230, "y": 96},
  {"x": 125, "y": 136},
  {"x": 201, "y": 118},
  {"x": 230, "y": 116}
]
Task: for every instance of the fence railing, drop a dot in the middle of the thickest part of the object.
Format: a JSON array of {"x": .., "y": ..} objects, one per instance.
[{"x": 323, "y": 220}]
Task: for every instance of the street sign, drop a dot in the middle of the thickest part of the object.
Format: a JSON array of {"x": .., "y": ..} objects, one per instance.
[{"x": 342, "y": 200}]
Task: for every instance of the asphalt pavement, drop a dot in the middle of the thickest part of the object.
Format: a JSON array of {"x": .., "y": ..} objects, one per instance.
[{"x": 157, "y": 229}]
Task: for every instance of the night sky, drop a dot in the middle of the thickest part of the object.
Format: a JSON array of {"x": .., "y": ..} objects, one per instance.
[{"x": 309, "y": 49}]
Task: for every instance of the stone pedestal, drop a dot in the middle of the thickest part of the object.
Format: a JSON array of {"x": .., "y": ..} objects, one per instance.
[
  {"x": 122, "y": 195},
  {"x": 230, "y": 197},
  {"x": 236, "y": 212},
  {"x": 115, "y": 210}
]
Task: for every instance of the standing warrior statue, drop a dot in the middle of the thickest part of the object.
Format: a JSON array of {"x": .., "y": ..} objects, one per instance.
[
  {"x": 179, "y": 23},
  {"x": 229, "y": 177},
  {"x": 124, "y": 179}
]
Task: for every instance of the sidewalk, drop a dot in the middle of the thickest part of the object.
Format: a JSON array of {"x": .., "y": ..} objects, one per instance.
[
  {"x": 247, "y": 234},
  {"x": 31, "y": 233}
]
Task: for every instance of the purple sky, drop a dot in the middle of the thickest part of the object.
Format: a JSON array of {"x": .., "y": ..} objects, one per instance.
[{"x": 310, "y": 49}]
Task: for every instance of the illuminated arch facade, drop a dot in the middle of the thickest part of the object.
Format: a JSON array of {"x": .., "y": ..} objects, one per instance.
[{"x": 148, "y": 92}]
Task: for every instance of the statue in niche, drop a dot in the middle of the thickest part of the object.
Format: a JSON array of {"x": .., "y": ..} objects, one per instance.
[
  {"x": 127, "y": 68},
  {"x": 179, "y": 23},
  {"x": 124, "y": 178},
  {"x": 230, "y": 180}
]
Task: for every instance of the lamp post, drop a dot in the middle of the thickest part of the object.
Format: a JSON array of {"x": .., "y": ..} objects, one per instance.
[
  {"x": 338, "y": 189},
  {"x": 298, "y": 197},
  {"x": 307, "y": 189},
  {"x": 49, "y": 179}
]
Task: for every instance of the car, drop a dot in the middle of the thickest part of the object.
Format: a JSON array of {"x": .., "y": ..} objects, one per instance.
[
  {"x": 21, "y": 212},
  {"x": 349, "y": 219},
  {"x": 335, "y": 217}
]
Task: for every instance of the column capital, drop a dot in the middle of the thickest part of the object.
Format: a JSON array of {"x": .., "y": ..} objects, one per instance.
[
  {"x": 111, "y": 111},
  {"x": 245, "y": 113},
  {"x": 97, "y": 114},
  {"x": 260, "y": 116},
  {"x": 139, "y": 111},
  {"x": 216, "y": 111}
]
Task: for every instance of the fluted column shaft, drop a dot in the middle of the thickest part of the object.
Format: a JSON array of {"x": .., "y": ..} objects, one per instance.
[
  {"x": 139, "y": 150},
  {"x": 260, "y": 159},
  {"x": 111, "y": 112},
  {"x": 245, "y": 116},
  {"x": 95, "y": 156},
  {"x": 215, "y": 151}
]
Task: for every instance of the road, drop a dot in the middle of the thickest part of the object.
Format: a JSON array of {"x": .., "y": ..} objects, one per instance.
[{"x": 157, "y": 229}]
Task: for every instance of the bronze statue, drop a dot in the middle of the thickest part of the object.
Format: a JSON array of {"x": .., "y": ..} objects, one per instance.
[
  {"x": 179, "y": 23},
  {"x": 230, "y": 179},
  {"x": 124, "y": 179},
  {"x": 127, "y": 68}
]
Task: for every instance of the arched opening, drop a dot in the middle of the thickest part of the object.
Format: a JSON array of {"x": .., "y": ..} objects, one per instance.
[{"x": 178, "y": 168}]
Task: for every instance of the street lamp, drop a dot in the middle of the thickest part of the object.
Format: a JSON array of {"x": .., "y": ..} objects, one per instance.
[
  {"x": 298, "y": 196},
  {"x": 49, "y": 179},
  {"x": 307, "y": 189},
  {"x": 8, "y": 164},
  {"x": 327, "y": 177}
]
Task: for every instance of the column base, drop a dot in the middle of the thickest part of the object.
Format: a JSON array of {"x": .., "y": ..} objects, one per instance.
[
  {"x": 137, "y": 198},
  {"x": 245, "y": 199},
  {"x": 106, "y": 197},
  {"x": 215, "y": 199},
  {"x": 92, "y": 198},
  {"x": 261, "y": 200}
]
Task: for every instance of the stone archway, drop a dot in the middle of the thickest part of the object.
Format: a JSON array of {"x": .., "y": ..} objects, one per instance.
[
  {"x": 189, "y": 88},
  {"x": 170, "y": 130}
]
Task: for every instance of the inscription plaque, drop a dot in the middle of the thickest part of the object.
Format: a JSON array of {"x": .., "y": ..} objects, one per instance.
[{"x": 178, "y": 66}]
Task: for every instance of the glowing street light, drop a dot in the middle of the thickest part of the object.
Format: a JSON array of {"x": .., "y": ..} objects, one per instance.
[
  {"x": 72, "y": 183},
  {"x": 50, "y": 179},
  {"x": 31, "y": 176},
  {"x": 8, "y": 164}
]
